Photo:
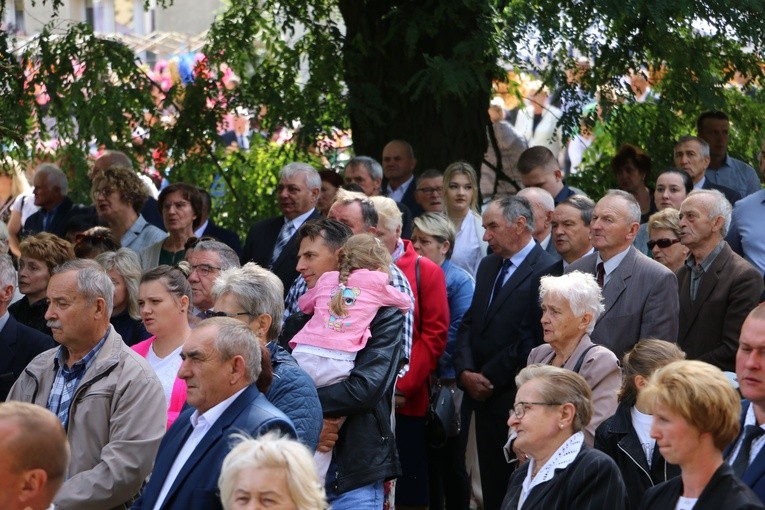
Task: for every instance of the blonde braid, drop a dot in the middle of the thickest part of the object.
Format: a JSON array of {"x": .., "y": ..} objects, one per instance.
[{"x": 337, "y": 305}]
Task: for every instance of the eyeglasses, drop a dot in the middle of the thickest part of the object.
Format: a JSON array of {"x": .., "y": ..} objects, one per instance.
[
  {"x": 662, "y": 243},
  {"x": 103, "y": 192},
  {"x": 520, "y": 408},
  {"x": 204, "y": 269},
  {"x": 430, "y": 191},
  {"x": 210, "y": 313}
]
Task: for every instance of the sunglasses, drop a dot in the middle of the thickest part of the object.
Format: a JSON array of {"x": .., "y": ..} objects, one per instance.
[{"x": 662, "y": 243}]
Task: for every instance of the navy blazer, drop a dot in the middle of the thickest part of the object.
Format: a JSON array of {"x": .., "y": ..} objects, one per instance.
[
  {"x": 57, "y": 225},
  {"x": 260, "y": 246},
  {"x": 19, "y": 344},
  {"x": 196, "y": 486},
  {"x": 496, "y": 339},
  {"x": 754, "y": 476},
  {"x": 224, "y": 235},
  {"x": 731, "y": 195}
]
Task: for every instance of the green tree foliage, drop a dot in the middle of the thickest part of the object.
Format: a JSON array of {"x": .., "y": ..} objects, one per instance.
[{"x": 421, "y": 71}]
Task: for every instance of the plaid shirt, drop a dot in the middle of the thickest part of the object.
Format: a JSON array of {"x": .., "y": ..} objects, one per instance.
[
  {"x": 398, "y": 280},
  {"x": 68, "y": 379}
]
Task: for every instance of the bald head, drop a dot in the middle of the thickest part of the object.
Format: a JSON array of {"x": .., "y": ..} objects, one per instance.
[
  {"x": 109, "y": 159},
  {"x": 543, "y": 206},
  {"x": 33, "y": 450}
]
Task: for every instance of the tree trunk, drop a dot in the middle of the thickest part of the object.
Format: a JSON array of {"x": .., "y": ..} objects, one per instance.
[{"x": 420, "y": 72}]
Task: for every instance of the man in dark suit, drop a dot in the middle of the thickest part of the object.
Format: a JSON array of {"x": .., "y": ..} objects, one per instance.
[
  {"x": 717, "y": 287},
  {"x": 543, "y": 207},
  {"x": 208, "y": 228},
  {"x": 571, "y": 231},
  {"x": 640, "y": 295},
  {"x": 692, "y": 157},
  {"x": 398, "y": 168},
  {"x": 224, "y": 401},
  {"x": 750, "y": 372},
  {"x": 241, "y": 136},
  {"x": 56, "y": 209},
  {"x": 498, "y": 331},
  {"x": 272, "y": 243},
  {"x": 19, "y": 344}
]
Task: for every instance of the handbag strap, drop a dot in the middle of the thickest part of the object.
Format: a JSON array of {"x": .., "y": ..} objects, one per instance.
[{"x": 580, "y": 361}]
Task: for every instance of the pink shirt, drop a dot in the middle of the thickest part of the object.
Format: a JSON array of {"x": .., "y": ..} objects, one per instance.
[{"x": 365, "y": 293}]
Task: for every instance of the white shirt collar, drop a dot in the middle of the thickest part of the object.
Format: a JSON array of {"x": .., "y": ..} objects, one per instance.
[
  {"x": 298, "y": 222},
  {"x": 589, "y": 252},
  {"x": 519, "y": 257},
  {"x": 563, "y": 456},
  {"x": 611, "y": 264},
  {"x": 401, "y": 189},
  {"x": 201, "y": 230},
  {"x": 210, "y": 416},
  {"x": 546, "y": 241},
  {"x": 700, "y": 184}
]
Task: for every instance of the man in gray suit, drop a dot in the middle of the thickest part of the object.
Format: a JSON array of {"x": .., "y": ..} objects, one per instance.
[{"x": 640, "y": 294}]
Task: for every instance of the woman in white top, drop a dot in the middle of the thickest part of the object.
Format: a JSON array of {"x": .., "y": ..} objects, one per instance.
[
  {"x": 626, "y": 436},
  {"x": 461, "y": 206},
  {"x": 17, "y": 203},
  {"x": 164, "y": 298}
]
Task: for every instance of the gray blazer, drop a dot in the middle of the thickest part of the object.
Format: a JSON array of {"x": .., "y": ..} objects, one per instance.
[{"x": 641, "y": 302}]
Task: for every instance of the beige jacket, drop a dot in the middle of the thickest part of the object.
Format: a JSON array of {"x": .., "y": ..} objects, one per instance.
[
  {"x": 116, "y": 422},
  {"x": 600, "y": 369}
]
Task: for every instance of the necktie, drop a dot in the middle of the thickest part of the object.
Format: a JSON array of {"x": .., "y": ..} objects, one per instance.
[
  {"x": 284, "y": 236},
  {"x": 601, "y": 276},
  {"x": 240, "y": 141},
  {"x": 751, "y": 432},
  {"x": 501, "y": 278}
]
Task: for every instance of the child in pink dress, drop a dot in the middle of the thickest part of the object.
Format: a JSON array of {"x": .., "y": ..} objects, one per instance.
[{"x": 343, "y": 304}]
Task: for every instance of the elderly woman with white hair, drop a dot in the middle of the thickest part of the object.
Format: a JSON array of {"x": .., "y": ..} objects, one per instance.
[
  {"x": 270, "y": 472},
  {"x": 571, "y": 305}
]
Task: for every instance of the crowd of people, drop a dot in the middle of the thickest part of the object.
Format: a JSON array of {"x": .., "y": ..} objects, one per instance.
[{"x": 174, "y": 367}]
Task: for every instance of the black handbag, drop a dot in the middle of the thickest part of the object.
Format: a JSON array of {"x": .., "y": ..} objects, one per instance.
[{"x": 439, "y": 419}]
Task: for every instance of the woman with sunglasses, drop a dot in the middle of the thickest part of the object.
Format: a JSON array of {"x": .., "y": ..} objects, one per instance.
[
  {"x": 672, "y": 186},
  {"x": 164, "y": 298},
  {"x": 664, "y": 239}
]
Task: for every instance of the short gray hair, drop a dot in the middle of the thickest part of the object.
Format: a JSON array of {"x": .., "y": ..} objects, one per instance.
[
  {"x": 513, "y": 207},
  {"x": 388, "y": 212},
  {"x": 8, "y": 274},
  {"x": 584, "y": 204},
  {"x": 633, "y": 207},
  {"x": 228, "y": 257},
  {"x": 312, "y": 177},
  {"x": 720, "y": 207},
  {"x": 371, "y": 165},
  {"x": 92, "y": 281},
  {"x": 55, "y": 177},
  {"x": 234, "y": 338},
  {"x": 257, "y": 290},
  {"x": 579, "y": 289},
  {"x": 704, "y": 151},
  {"x": 126, "y": 262}
]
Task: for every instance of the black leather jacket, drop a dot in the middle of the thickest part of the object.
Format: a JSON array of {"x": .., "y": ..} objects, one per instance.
[
  {"x": 617, "y": 437},
  {"x": 366, "y": 449}
]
